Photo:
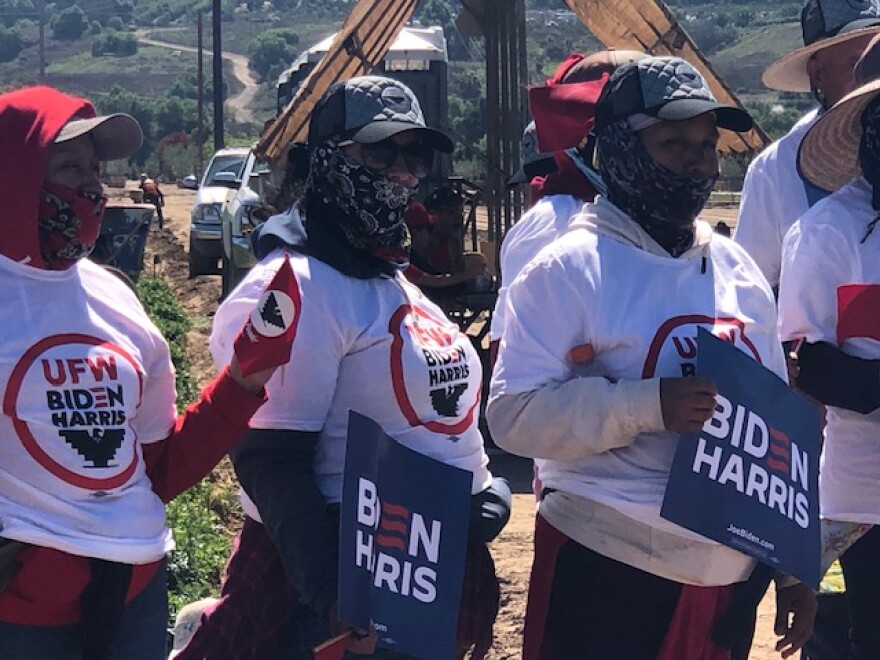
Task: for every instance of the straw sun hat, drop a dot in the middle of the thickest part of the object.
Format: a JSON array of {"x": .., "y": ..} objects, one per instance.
[
  {"x": 829, "y": 153},
  {"x": 824, "y": 23}
]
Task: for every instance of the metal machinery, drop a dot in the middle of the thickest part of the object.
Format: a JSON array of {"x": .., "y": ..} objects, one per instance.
[{"x": 502, "y": 24}]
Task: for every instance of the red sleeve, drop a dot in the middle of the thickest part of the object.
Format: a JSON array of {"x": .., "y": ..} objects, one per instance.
[{"x": 203, "y": 434}]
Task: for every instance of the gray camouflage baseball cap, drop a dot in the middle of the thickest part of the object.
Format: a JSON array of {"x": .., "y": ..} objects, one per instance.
[
  {"x": 667, "y": 88},
  {"x": 533, "y": 162},
  {"x": 370, "y": 109}
]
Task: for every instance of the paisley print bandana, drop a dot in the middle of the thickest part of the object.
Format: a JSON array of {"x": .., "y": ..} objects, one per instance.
[
  {"x": 665, "y": 204},
  {"x": 367, "y": 207},
  {"x": 68, "y": 225}
]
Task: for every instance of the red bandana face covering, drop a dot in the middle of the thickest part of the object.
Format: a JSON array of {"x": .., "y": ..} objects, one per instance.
[{"x": 69, "y": 224}]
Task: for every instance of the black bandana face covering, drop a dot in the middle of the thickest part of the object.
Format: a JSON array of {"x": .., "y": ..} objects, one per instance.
[
  {"x": 366, "y": 206},
  {"x": 665, "y": 204}
]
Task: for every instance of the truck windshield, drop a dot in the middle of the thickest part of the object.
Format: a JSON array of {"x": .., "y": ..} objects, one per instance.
[{"x": 231, "y": 163}]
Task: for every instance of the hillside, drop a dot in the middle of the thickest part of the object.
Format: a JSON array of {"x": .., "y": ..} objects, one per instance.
[{"x": 91, "y": 48}]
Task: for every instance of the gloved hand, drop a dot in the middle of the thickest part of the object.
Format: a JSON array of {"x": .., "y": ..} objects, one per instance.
[
  {"x": 266, "y": 340},
  {"x": 490, "y": 511}
]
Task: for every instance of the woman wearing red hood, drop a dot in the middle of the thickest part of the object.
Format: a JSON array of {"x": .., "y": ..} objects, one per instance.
[{"x": 91, "y": 442}]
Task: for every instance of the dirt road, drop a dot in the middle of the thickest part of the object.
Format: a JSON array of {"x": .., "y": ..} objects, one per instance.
[
  {"x": 512, "y": 550},
  {"x": 242, "y": 103}
]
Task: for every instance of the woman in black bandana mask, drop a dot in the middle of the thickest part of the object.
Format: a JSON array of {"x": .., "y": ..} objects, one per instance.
[
  {"x": 595, "y": 380},
  {"x": 660, "y": 173},
  {"x": 366, "y": 340}
]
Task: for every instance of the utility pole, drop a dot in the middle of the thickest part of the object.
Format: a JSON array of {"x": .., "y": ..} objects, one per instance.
[
  {"x": 200, "y": 84},
  {"x": 41, "y": 7},
  {"x": 219, "y": 142}
]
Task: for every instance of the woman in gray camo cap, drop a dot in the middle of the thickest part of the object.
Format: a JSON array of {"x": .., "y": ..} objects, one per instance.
[
  {"x": 595, "y": 381},
  {"x": 365, "y": 340}
]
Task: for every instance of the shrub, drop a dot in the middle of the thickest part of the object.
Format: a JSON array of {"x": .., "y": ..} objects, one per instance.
[
  {"x": 70, "y": 25},
  {"x": 272, "y": 52},
  {"x": 120, "y": 44},
  {"x": 174, "y": 324},
  {"x": 199, "y": 516},
  {"x": 10, "y": 44}
]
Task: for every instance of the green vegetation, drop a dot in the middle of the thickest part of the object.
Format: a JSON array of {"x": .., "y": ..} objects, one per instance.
[
  {"x": 113, "y": 42},
  {"x": 92, "y": 45},
  {"x": 172, "y": 321},
  {"x": 10, "y": 44},
  {"x": 272, "y": 52},
  {"x": 70, "y": 24},
  {"x": 201, "y": 517},
  {"x": 200, "y": 521}
]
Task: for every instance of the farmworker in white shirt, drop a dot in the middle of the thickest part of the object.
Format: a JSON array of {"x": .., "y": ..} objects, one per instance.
[
  {"x": 774, "y": 194},
  {"x": 590, "y": 379},
  {"x": 556, "y": 195},
  {"x": 828, "y": 301}
]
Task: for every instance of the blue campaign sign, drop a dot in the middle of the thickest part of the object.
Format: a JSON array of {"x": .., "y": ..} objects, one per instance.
[
  {"x": 402, "y": 543},
  {"x": 749, "y": 479}
]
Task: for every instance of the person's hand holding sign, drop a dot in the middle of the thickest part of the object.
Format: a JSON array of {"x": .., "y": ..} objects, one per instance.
[
  {"x": 266, "y": 339},
  {"x": 358, "y": 641},
  {"x": 686, "y": 403}
]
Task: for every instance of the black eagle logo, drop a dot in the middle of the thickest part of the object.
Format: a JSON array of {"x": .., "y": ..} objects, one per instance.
[
  {"x": 99, "y": 446},
  {"x": 271, "y": 313},
  {"x": 445, "y": 400}
]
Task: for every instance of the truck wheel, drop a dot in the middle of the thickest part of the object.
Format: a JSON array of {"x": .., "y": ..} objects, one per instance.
[
  {"x": 200, "y": 264},
  {"x": 232, "y": 275}
]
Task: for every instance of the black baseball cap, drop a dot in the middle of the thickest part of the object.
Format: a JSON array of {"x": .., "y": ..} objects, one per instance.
[
  {"x": 667, "y": 88},
  {"x": 370, "y": 109},
  {"x": 443, "y": 197}
]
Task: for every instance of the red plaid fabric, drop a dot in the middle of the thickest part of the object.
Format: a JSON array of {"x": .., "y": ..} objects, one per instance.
[
  {"x": 480, "y": 599},
  {"x": 252, "y": 620}
]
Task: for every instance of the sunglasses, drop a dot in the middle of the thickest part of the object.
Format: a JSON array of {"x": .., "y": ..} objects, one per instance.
[{"x": 381, "y": 156}]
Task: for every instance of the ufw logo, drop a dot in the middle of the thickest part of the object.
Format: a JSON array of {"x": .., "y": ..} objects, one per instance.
[
  {"x": 758, "y": 460},
  {"x": 398, "y": 546}
]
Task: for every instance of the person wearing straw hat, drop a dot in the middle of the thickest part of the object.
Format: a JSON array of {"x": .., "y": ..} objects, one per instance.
[
  {"x": 834, "y": 33},
  {"x": 828, "y": 303},
  {"x": 589, "y": 383},
  {"x": 868, "y": 66}
]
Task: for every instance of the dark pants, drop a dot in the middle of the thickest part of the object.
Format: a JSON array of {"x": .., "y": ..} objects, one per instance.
[
  {"x": 259, "y": 615},
  {"x": 587, "y": 596},
  {"x": 157, "y": 202},
  {"x": 830, "y": 640},
  {"x": 861, "y": 571},
  {"x": 585, "y": 606},
  {"x": 141, "y": 635}
]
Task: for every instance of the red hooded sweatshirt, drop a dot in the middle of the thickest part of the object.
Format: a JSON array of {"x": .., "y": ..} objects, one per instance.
[
  {"x": 30, "y": 118},
  {"x": 46, "y": 588}
]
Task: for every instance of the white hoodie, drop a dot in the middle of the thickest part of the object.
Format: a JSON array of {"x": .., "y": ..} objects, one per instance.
[{"x": 592, "y": 325}]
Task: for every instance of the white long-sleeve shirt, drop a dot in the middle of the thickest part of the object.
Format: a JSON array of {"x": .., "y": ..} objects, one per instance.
[{"x": 593, "y": 323}]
